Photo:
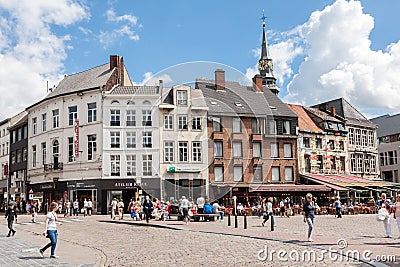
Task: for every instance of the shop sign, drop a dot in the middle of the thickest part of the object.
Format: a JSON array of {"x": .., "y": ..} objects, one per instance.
[
  {"x": 124, "y": 185},
  {"x": 46, "y": 186},
  {"x": 76, "y": 138}
]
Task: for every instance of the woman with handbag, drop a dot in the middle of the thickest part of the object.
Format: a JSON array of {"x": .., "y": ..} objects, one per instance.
[
  {"x": 397, "y": 212},
  {"x": 386, "y": 204},
  {"x": 51, "y": 230}
]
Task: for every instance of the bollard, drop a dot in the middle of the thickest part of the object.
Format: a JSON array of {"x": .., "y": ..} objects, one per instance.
[
  {"x": 245, "y": 221},
  {"x": 272, "y": 222},
  {"x": 229, "y": 219},
  {"x": 236, "y": 221}
]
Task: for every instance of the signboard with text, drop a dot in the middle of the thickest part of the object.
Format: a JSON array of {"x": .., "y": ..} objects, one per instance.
[{"x": 76, "y": 138}]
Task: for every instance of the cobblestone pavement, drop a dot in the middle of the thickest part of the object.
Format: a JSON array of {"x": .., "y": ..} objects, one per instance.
[{"x": 98, "y": 241}]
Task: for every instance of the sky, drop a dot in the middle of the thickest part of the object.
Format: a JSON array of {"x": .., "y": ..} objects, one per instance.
[{"x": 322, "y": 50}]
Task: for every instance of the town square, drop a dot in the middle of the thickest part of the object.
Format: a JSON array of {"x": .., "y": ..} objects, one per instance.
[{"x": 194, "y": 134}]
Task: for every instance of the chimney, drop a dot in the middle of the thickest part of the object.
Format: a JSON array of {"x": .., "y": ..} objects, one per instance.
[
  {"x": 113, "y": 61},
  {"x": 333, "y": 111},
  {"x": 257, "y": 83},
  {"x": 219, "y": 79}
]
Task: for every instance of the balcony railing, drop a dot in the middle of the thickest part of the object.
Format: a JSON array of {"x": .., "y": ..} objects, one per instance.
[{"x": 53, "y": 167}]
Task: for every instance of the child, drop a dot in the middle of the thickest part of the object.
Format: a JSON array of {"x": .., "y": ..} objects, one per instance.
[
  {"x": 34, "y": 214},
  {"x": 11, "y": 214}
]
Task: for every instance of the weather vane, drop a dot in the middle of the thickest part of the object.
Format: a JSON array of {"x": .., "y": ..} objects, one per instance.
[{"x": 263, "y": 18}]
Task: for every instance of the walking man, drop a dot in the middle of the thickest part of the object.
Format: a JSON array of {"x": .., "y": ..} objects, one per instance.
[
  {"x": 385, "y": 203},
  {"x": 147, "y": 208},
  {"x": 11, "y": 215}
]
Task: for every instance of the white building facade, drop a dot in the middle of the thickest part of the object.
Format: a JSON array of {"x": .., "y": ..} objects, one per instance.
[
  {"x": 184, "y": 152},
  {"x": 4, "y": 158}
]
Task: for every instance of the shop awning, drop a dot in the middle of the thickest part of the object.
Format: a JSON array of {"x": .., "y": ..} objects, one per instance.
[{"x": 288, "y": 188}]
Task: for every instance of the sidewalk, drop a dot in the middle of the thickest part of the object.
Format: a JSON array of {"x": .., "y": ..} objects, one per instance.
[{"x": 23, "y": 248}]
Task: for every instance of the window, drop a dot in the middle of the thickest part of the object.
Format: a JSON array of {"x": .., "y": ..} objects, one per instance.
[
  {"x": 359, "y": 162},
  {"x": 381, "y": 159},
  {"x": 168, "y": 122},
  {"x": 73, "y": 114},
  {"x": 131, "y": 139},
  {"x": 19, "y": 156},
  {"x": 373, "y": 164},
  {"x": 237, "y": 149},
  {"x": 146, "y": 102},
  {"x": 183, "y": 151},
  {"x": 147, "y": 142},
  {"x": 56, "y": 153},
  {"x": 256, "y": 150},
  {"x": 182, "y": 122},
  {"x": 371, "y": 139},
  {"x": 34, "y": 125},
  {"x": 92, "y": 112},
  {"x": 34, "y": 156},
  {"x": 236, "y": 125},
  {"x": 353, "y": 163},
  {"x": 147, "y": 165},
  {"x": 391, "y": 158},
  {"x": 182, "y": 98},
  {"x": 115, "y": 117},
  {"x": 286, "y": 127},
  {"x": 115, "y": 139},
  {"x": 306, "y": 142},
  {"x": 168, "y": 151},
  {"x": 130, "y": 118},
  {"x": 358, "y": 137},
  {"x": 44, "y": 152},
  {"x": 13, "y": 157},
  {"x": 272, "y": 127},
  {"x": 218, "y": 173},
  {"x": 217, "y": 124},
  {"x": 131, "y": 165},
  {"x": 44, "y": 123},
  {"x": 287, "y": 150},
  {"x": 341, "y": 145},
  {"x": 25, "y": 154},
  {"x": 217, "y": 149},
  {"x": 71, "y": 157},
  {"x": 320, "y": 162},
  {"x": 196, "y": 124},
  {"x": 364, "y": 138},
  {"x": 331, "y": 145},
  {"x": 238, "y": 173},
  {"x": 351, "y": 136},
  {"x": 92, "y": 147},
  {"x": 25, "y": 134},
  {"x": 289, "y": 173},
  {"x": 19, "y": 132},
  {"x": 274, "y": 150},
  {"x": 56, "y": 118},
  {"x": 257, "y": 176},
  {"x": 255, "y": 126},
  {"x": 146, "y": 118},
  {"x": 196, "y": 151},
  {"x": 275, "y": 174},
  {"x": 115, "y": 165}
]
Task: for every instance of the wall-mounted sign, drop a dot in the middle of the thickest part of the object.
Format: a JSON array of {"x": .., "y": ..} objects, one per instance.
[{"x": 76, "y": 138}]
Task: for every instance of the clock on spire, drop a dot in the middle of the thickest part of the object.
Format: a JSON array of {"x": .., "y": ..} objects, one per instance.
[{"x": 265, "y": 64}]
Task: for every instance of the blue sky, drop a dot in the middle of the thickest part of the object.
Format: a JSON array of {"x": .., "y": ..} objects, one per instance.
[{"x": 321, "y": 49}]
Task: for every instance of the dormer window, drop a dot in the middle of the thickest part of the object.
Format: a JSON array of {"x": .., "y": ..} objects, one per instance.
[{"x": 182, "y": 98}]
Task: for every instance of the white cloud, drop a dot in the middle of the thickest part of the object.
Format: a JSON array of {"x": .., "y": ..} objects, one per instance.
[
  {"x": 150, "y": 79},
  {"x": 340, "y": 63},
  {"x": 30, "y": 54},
  {"x": 125, "y": 24}
]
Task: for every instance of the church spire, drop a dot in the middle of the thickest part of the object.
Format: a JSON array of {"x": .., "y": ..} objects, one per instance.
[{"x": 265, "y": 65}]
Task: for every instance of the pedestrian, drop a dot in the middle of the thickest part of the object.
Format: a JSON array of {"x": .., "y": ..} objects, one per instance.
[
  {"x": 185, "y": 209},
  {"x": 120, "y": 206},
  {"x": 131, "y": 208},
  {"x": 147, "y": 208},
  {"x": 34, "y": 213},
  {"x": 85, "y": 207},
  {"x": 60, "y": 206},
  {"x": 282, "y": 208},
  {"x": 309, "y": 215},
  {"x": 10, "y": 216},
  {"x": 216, "y": 208},
  {"x": 268, "y": 211},
  {"x": 113, "y": 206},
  {"x": 397, "y": 212},
  {"x": 338, "y": 207},
  {"x": 90, "y": 207},
  {"x": 76, "y": 207},
  {"x": 200, "y": 204},
  {"x": 385, "y": 203},
  {"x": 51, "y": 230},
  {"x": 67, "y": 208}
]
